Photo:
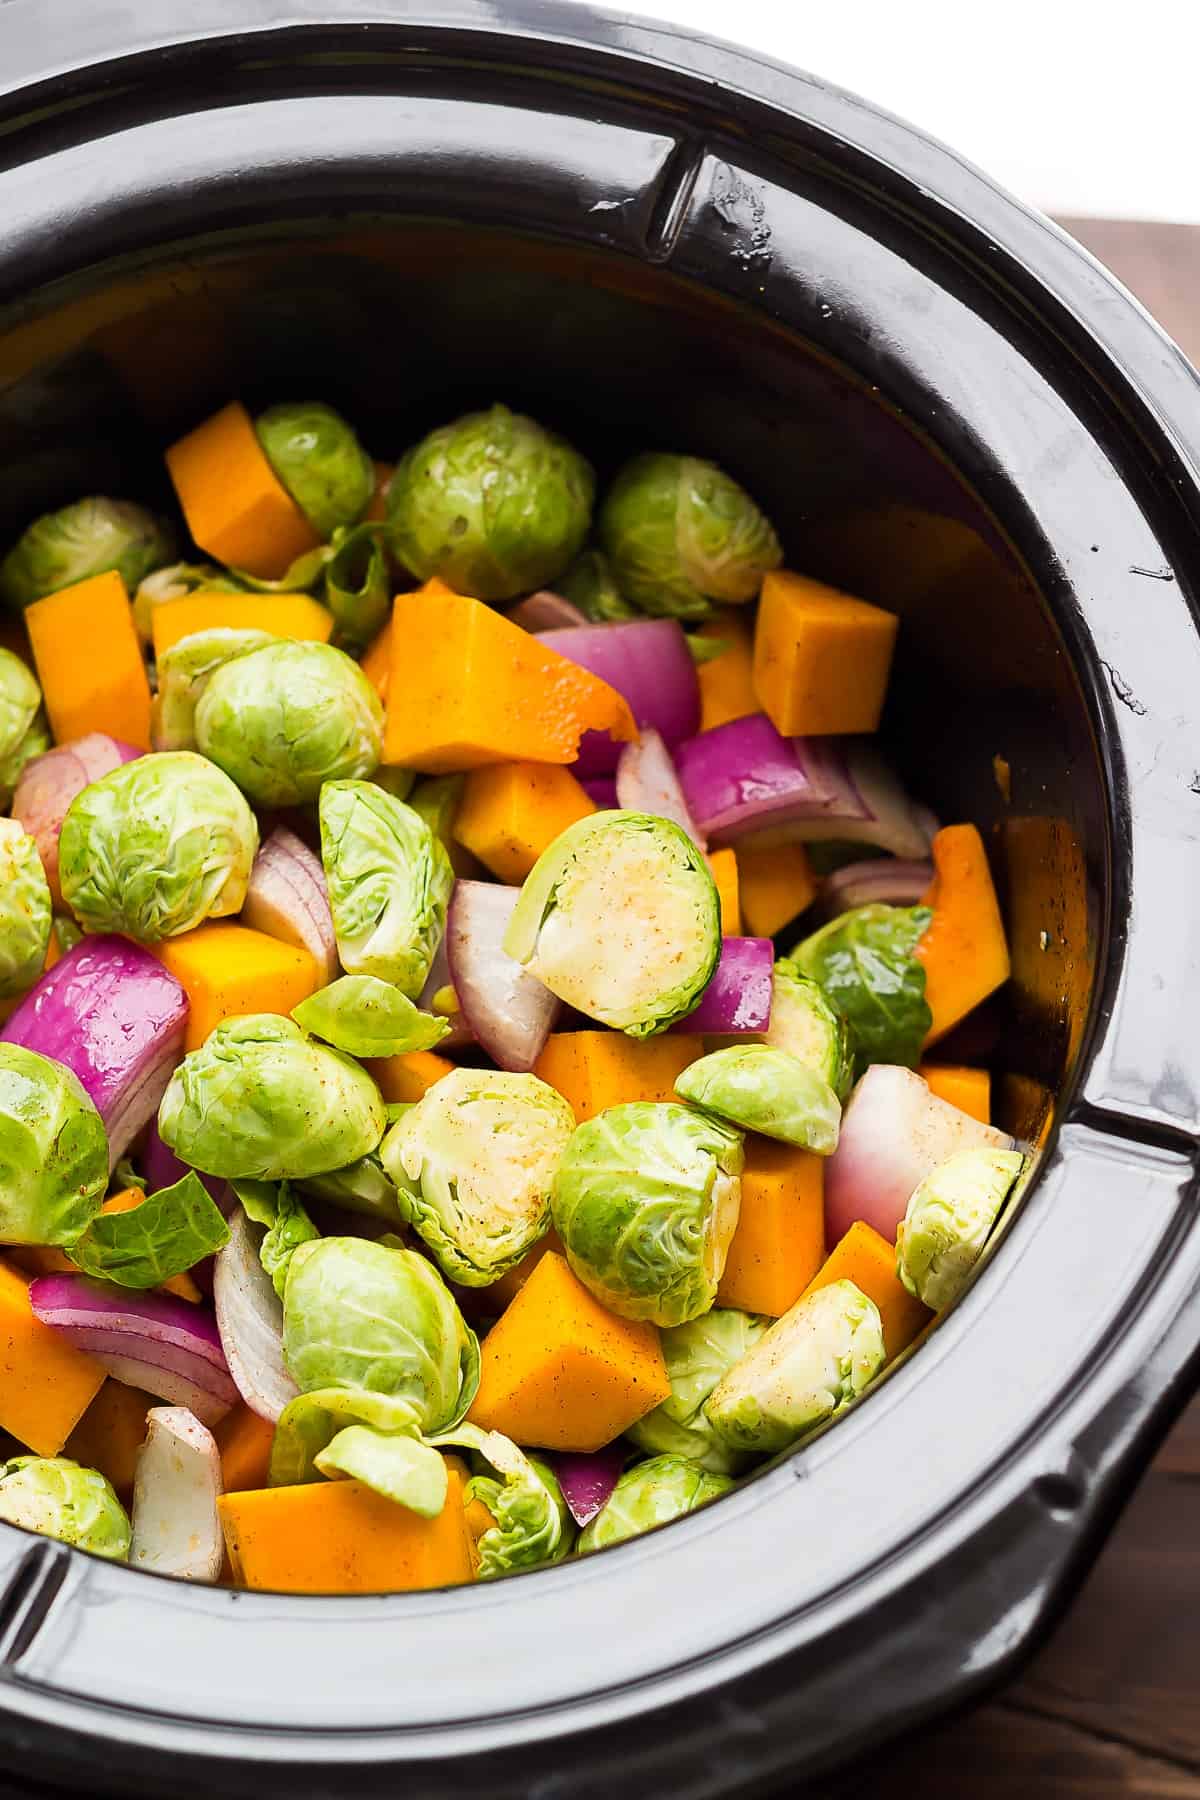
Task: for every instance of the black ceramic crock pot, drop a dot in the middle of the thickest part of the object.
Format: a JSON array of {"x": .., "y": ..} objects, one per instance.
[{"x": 643, "y": 236}]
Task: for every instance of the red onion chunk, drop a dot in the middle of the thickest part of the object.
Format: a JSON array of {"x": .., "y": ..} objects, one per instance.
[
  {"x": 647, "y": 782},
  {"x": 49, "y": 783},
  {"x": 602, "y": 791},
  {"x": 587, "y": 1481},
  {"x": 646, "y": 660},
  {"x": 288, "y": 899},
  {"x": 737, "y": 1001},
  {"x": 116, "y": 1018},
  {"x": 250, "y": 1321},
  {"x": 176, "y": 1486},
  {"x": 508, "y": 1009},
  {"x": 545, "y": 611},
  {"x": 894, "y": 1133},
  {"x": 884, "y": 880}
]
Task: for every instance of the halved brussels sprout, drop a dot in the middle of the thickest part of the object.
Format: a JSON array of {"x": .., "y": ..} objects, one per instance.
[
  {"x": 473, "y": 1162},
  {"x": 492, "y": 503},
  {"x": 646, "y": 1202},
  {"x": 805, "y": 1025},
  {"x": 533, "y": 1524},
  {"x": 367, "y": 1017},
  {"x": 156, "y": 847},
  {"x": 184, "y": 672},
  {"x": 320, "y": 462},
  {"x": 652, "y": 1493},
  {"x": 25, "y": 910},
  {"x": 948, "y": 1220},
  {"x": 87, "y": 538},
  {"x": 765, "y": 1090},
  {"x": 259, "y": 1099},
  {"x": 808, "y": 1366},
  {"x": 865, "y": 964},
  {"x": 590, "y": 585},
  {"x": 620, "y": 918},
  {"x": 697, "y": 1355},
  {"x": 175, "y": 581},
  {"x": 389, "y": 884},
  {"x": 53, "y": 1151},
  {"x": 680, "y": 535},
  {"x": 59, "y": 1499},
  {"x": 284, "y": 719}
]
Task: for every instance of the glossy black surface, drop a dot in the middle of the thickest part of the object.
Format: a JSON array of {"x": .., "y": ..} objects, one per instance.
[{"x": 946, "y": 406}]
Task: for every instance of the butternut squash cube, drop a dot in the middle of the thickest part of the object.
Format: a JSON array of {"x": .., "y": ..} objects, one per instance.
[
  {"x": 236, "y": 507},
  {"x": 775, "y": 886},
  {"x": 867, "y": 1259},
  {"x": 560, "y": 1372},
  {"x": 498, "y": 1294},
  {"x": 968, "y": 1089},
  {"x": 111, "y": 1432},
  {"x": 244, "y": 1441},
  {"x": 89, "y": 661},
  {"x": 821, "y": 658},
  {"x": 724, "y": 868},
  {"x": 594, "y": 1070},
  {"x": 511, "y": 812},
  {"x": 226, "y": 970},
  {"x": 286, "y": 615},
  {"x": 404, "y": 1079},
  {"x": 727, "y": 682},
  {"x": 963, "y": 948},
  {"x": 779, "y": 1243},
  {"x": 46, "y": 1384}
]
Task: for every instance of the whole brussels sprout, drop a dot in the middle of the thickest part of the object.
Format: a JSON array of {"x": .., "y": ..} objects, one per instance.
[
  {"x": 87, "y": 538},
  {"x": 59, "y": 1499},
  {"x": 183, "y": 674},
  {"x": 389, "y": 884},
  {"x": 652, "y": 1493},
  {"x": 646, "y": 1202},
  {"x": 948, "y": 1220},
  {"x": 680, "y": 534},
  {"x": 766, "y": 1090},
  {"x": 805, "y": 1025},
  {"x": 808, "y": 1366},
  {"x": 53, "y": 1151},
  {"x": 320, "y": 462},
  {"x": 284, "y": 719},
  {"x": 25, "y": 910},
  {"x": 473, "y": 1162},
  {"x": 493, "y": 504},
  {"x": 697, "y": 1355},
  {"x": 590, "y": 585},
  {"x": 20, "y": 704},
  {"x": 259, "y": 1099},
  {"x": 620, "y": 918},
  {"x": 156, "y": 847}
]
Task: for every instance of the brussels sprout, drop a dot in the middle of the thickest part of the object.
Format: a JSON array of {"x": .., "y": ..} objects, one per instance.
[
  {"x": 473, "y": 1162},
  {"x": 396, "y": 782},
  {"x": 805, "y": 1025},
  {"x": 680, "y": 534},
  {"x": 437, "y": 801},
  {"x": 20, "y": 699},
  {"x": 533, "y": 1524},
  {"x": 53, "y": 1151},
  {"x": 36, "y": 742},
  {"x": 697, "y": 1355},
  {"x": 358, "y": 591},
  {"x": 258, "y": 1099},
  {"x": 865, "y": 964},
  {"x": 652, "y": 1493},
  {"x": 274, "y": 1206},
  {"x": 620, "y": 918},
  {"x": 156, "y": 847},
  {"x": 400, "y": 1467},
  {"x": 175, "y": 582},
  {"x": 389, "y": 884},
  {"x": 288, "y": 717},
  {"x": 172, "y": 1230},
  {"x": 948, "y": 1219},
  {"x": 363, "y": 1186},
  {"x": 86, "y": 538},
  {"x": 646, "y": 1202},
  {"x": 319, "y": 461},
  {"x": 368, "y": 1017},
  {"x": 804, "y": 1369},
  {"x": 766, "y": 1090},
  {"x": 25, "y": 910},
  {"x": 590, "y": 585},
  {"x": 61, "y": 1500},
  {"x": 493, "y": 504},
  {"x": 183, "y": 674}
]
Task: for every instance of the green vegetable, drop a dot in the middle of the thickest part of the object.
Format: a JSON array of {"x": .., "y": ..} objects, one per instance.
[
  {"x": 473, "y": 1162},
  {"x": 284, "y": 719},
  {"x": 680, "y": 534},
  {"x": 646, "y": 1202},
  {"x": 53, "y": 1151},
  {"x": 169, "y": 1232},
  {"x": 493, "y": 504},
  {"x": 25, "y": 909},
  {"x": 396, "y": 782},
  {"x": 368, "y": 1017},
  {"x": 389, "y": 884},
  {"x": 358, "y": 590},
  {"x": 620, "y": 918},
  {"x": 184, "y": 671},
  {"x": 59, "y": 1499},
  {"x": 260, "y": 1099},
  {"x": 948, "y": 1220},
  {"x": 766, "y": 1090},
  {"x": 320, "y": 462},
  {"x": 437, "y": 800},
  {"x": 863, "y": 962},
  {"x": 87, "y": 538},
  {"x": 22, "y": 729},
  {"x": 175, "y": 582},
  {"x": 533, "y": 1522},
  {"x": 68, "y": 934},
  {"x": 401, "y": 1468},
  {"x": 652, "y": 1493},
  {"x": 288, "y": 1225},
  {"x": 697, "y": 1355},
  {"x": 156, "y": 847},
  {"x": 804, "y": 1024},
  {"x": 589, "y": 584},
  {"x": 363, "y": 1186},
  {"x": 807, "y": 1367}
]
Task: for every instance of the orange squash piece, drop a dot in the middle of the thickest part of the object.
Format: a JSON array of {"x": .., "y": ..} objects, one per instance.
[
  {"x": 339, "y": 1537},
  {"x": 46, "y": 1385},
  {"x": 286, "y": 615},
  {"x": 511, "y": 812},
  {"x": 724, "y": 868},
  {"x": 775, "y": 886},
  {"x": 236, "y": 507},
  {"x": 376, "y": 663},
  {"x": 968, "y": 1089},
  {"x": 468, "y": 687},
  {"x": 89, "y": 661},
  {"x": 963, "y": 948},
  {"x": 594, "y": 1070},
  {"x": 867, "y": 1259},
  {"x": 821, "y": 658},
  {"x": 498, "y": 1294},
  {"x": 404, "y": 1079},
  {"x": 779, "y": 1243},
  {"x": 560, "y": 1372},
  {"x": 727, "y": 682},
  {"x": 111, "y": 1432},
  {"x": 244, "y": 1441},
  {"x": 226, "y": 970}
]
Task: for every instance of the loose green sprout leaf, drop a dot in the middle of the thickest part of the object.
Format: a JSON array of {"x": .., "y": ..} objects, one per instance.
[
  {"x": 87, "y": 538},
  {"x": 358, "y": 591},
  {"x": 367, "y": 1017},
  {"x": 948, "y": 1221},
  {"x": 652, "y": 1493},
  {"x": 290, "y": 1228},
  {"x": 59, "y": 1499},
  {"x": 389, "y": 884},
  {"x": 864, "y": 964},
  {"x": 590, "y": 585},
  {"x": 53, "y": 1151},
  {"x": 309, "y": 1424},
  {"x": 184, "y": 672},
  {"x": 25, "y": 910},
  {"x": 362, "y": 1187},
  {"x": 533, "y": 1523},
  {"x": 169, "y": 1232},
  {"x": 805, "y": 1025},
  {"x": 705, "y": 649},
  {"x": 765, "y": 1090},
  {"x": 697, "y": 1355},
  {"x": 304, "y": 576},
  {"x": 401, "y": 1468},
  {"x": 320, "y": 462}
]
